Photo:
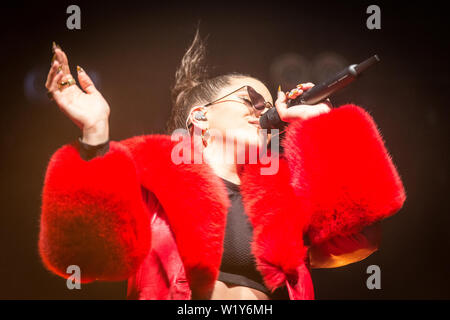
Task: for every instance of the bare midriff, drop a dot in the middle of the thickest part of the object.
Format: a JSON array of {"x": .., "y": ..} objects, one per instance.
[{"x": 224, "y": 291}]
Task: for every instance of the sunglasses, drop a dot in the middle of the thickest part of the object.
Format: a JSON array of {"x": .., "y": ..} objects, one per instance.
[{"x": 257, "y": 100}]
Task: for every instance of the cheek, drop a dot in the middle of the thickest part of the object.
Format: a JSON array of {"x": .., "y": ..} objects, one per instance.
[{"x": 228, "y": 119}]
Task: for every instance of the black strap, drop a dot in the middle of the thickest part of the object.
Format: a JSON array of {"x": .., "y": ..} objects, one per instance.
[
  {"x": 242, "y": 281},
  {"x": 88, "y": 152}
]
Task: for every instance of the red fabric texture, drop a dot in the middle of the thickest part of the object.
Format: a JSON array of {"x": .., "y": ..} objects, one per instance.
[
  {"x": 339, "y": 162},
  {"x": 195, "y": 201},
  {"x": 279, "y": 219},
  {"x": 94, "y": 214},
  {"x": 162, "y": 274}
]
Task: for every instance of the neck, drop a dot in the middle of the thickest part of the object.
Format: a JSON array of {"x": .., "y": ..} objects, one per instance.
[{"x": 222, "y": 162}]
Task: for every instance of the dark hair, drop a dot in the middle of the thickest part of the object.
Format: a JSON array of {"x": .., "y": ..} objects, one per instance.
[{"x": 192, "y": 86}]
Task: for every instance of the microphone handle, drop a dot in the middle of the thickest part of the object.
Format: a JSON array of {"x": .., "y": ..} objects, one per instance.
[
  {"x": 323, "y": 90},
  {"x": 271, "y": 119}
]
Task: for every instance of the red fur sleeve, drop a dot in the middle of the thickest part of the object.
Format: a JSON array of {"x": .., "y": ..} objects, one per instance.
[
  {"x": 93, "y": 215},
  {"x": 338, "y": 160}
]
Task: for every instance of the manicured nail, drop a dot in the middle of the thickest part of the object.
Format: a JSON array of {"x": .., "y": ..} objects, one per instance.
[
  {"x": 54, "y": 46},
  {"x": 293, "y": 92},
  {"x": 79, "y": 69},
  {"x": 59, "y": 69},
  {"x": 279, "y": 88}
]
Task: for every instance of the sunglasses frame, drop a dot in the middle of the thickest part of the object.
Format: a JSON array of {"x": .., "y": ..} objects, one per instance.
[{"x": 251, "y": 94}]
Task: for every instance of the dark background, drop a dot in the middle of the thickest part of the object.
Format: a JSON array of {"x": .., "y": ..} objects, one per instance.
[{"x": 132, "y": 50}]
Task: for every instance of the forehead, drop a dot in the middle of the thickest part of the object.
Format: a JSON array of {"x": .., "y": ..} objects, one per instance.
[{"x": 236, "y": 83}]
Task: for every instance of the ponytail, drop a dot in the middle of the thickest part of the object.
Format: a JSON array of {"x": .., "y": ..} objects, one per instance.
[{"x": 192, "y": 86}]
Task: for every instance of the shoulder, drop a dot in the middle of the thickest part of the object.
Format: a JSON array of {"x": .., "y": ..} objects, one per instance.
[
  {"x": 156, "y": 159},
  {"x": 143, "y": 144}
]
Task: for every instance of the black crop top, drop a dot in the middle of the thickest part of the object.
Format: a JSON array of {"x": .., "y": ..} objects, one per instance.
[{"x": 238, "y": 263}]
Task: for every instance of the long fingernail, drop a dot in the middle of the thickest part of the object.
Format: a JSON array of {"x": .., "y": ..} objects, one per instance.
[
  {"x": 79, "y": 69},
  {"x": 279, "y": 88},
  {"x": 54, "y": 46},
  {"x": 59, "y": 69}
]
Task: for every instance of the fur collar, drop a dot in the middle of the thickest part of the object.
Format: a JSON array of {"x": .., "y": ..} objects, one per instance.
[{"x": 196, "y": 203}]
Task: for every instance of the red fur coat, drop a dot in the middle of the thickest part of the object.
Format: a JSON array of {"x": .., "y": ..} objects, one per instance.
[{"x": 133, "y": 214}]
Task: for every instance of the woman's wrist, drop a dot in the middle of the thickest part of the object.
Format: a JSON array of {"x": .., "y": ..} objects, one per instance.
[{"x": 96, "y": 134}]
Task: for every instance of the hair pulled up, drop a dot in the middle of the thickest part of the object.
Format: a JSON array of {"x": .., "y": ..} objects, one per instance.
[{"x": 192, "y": 85}]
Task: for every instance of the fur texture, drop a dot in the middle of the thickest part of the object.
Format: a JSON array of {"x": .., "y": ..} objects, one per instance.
[
  {"x": 196, "y": 204},
  {"x": 93, "y": 216},
  {"x": 279, "y": 219},
  {"x": 339, "y": 162}
]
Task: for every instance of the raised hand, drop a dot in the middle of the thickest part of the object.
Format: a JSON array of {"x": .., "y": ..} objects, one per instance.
[
  {"x": 301, "y": 111},
  {"x": 86, "y": 107}
]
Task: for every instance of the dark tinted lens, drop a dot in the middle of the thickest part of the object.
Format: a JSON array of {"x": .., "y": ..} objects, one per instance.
[{"x": 257, "y": 99}]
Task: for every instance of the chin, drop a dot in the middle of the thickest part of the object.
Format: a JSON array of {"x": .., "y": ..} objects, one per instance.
[
  {"x": 249, "y": 138},
  {"x": 249, "y": 144}
]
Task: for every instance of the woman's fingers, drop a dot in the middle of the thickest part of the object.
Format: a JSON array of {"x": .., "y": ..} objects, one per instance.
[
  {"x": 85, "y": 81},
  {"x": 60, "y": 82},
  {"x": 61, "y": 57},
  {"x": 63, "y": 92},
  {"x": 51, "y": 74},
  {"x": 305, "y": 112},
  {"x": 298, "y": 91},
  {"x": 321, "y": 108},
  {"x": 306, "y": 86},
  {"x": 299, "y": 111},
  {"x": 53, "y": 88},
  {"x": 56, "y": 88},
  {"x": 55, "y": 76},
  {"x": 316, "y": 109},
  {"x": 281, "y": 104},
  {"x": 328, "y": 103}
]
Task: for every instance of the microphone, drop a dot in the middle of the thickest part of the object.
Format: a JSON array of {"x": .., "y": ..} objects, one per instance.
[{"x": 271, "y": 118}]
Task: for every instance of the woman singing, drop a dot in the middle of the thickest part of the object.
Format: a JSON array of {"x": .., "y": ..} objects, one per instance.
[{"x": 217, "y": 229}]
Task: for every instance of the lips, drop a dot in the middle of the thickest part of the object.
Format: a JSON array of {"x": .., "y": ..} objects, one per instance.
[{"x": 255, "y": 123}]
